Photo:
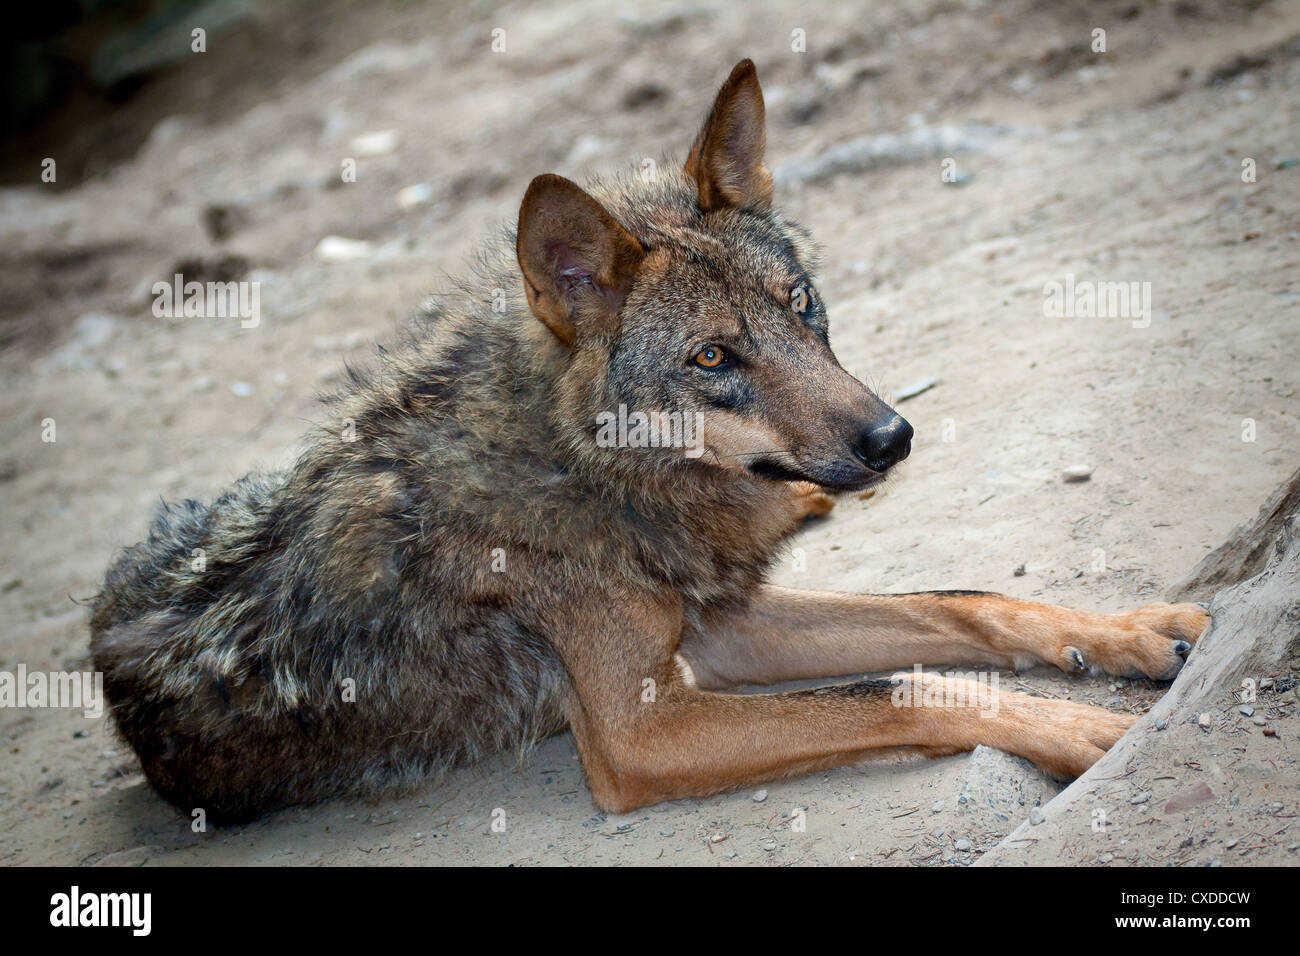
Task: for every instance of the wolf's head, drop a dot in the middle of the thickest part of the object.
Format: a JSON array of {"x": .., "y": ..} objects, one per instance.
[{"x": 685, "y": 292}]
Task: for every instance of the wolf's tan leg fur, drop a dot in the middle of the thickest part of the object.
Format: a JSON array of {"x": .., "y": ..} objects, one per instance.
[
  {"x": 646, "y": 734},
  {"x": 787, "y": 634}
]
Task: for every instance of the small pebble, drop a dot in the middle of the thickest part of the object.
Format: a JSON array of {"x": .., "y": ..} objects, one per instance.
[
  {"x": 936, "y": 807},
  {"x": 962, "y": 845},
  {"x": 377, "y": 143},
  {"x": 414, "y": 195},
  {"x": 340, "y": 249},
  {"x": 1246, "y": 710},
  {"x": 1036, "y": 816},
  {"x": 760, "y": 796},
  {"x": 1141, "y": 797},
  {"x": 1076, "y": 473},
  {"x": 1203, "y": 720}
]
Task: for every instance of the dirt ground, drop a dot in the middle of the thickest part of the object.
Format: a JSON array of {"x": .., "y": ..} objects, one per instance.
[{"x": 1123, "y": 165}]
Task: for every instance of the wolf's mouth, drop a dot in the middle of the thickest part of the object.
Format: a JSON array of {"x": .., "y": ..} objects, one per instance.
[{"x": 835, "y": 479}]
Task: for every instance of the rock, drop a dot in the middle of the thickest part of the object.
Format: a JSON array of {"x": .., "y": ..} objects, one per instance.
[
  {"x": 999, "y": 787},
  {"x": 378, "y": 143},
  {"x": 1023, "y": 84},
  {"x": 222, "y": 220},
  {"x": 339, "y": 249},
  {"x": 1036, "y": 816},
  {"x": 414, "y": 195},
  {"x": 893, "y": 149},
  {"x": 79, "y": 352},
  {"x": 760, "y": 796},
  {"x": 585, "y": 148},
  {"x": 1203, "y": 720},
  {"x": 962, "y": 846},
  {"x": 1019, "y": 572},
  {"x": 936, "y": 807},
  {"x": 1141, "y": 797},
  {"x": 242, "y": 389},
  {"x": 661, "y": 22},
  {"x": 768, "y": 845},
  {"x": 1246, "y": 710},
  {"x": 1076, "y": 473}
]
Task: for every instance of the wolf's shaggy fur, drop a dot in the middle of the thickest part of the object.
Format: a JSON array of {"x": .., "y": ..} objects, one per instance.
[{"x": 228, "y": 636}]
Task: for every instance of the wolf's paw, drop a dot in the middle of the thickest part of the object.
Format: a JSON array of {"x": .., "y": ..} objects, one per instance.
[
  {"x": 1152, "y": 641},
  {"x": 811, "y": 501},
  {"x": 1064, "y": 739}
]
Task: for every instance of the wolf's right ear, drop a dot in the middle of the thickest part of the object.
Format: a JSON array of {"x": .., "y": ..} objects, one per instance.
[
  {"x": 727, "y": 159},
  {"x": 578, "y": 262}
]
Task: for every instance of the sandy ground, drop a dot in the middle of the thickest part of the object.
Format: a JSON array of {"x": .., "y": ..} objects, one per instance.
[{"x": 1117, "y": 166}]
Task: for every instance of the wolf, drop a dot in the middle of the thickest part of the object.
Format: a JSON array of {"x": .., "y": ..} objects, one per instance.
[{"x": 463, "y": 568}]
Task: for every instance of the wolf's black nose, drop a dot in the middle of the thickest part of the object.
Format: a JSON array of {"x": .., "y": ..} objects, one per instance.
[{"x": 881, "y": 447}]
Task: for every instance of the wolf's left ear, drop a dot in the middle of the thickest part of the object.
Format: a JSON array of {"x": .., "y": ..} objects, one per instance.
[
  {"x": 727, "y": 158},
  {"x": 578, "y": 262}
]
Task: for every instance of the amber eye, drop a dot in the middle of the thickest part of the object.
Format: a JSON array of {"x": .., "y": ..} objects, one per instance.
[{"x": 710, "y": 357}]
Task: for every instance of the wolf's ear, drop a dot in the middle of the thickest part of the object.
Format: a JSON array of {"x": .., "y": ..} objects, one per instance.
[
  {"x": 727, "y": 158},
  {"x": 578, "y": 262}
]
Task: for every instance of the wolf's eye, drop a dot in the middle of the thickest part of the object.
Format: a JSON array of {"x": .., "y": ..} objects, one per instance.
[
  {"x": 801, "y": 297},
  {"x": 710, "y": 357}
]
